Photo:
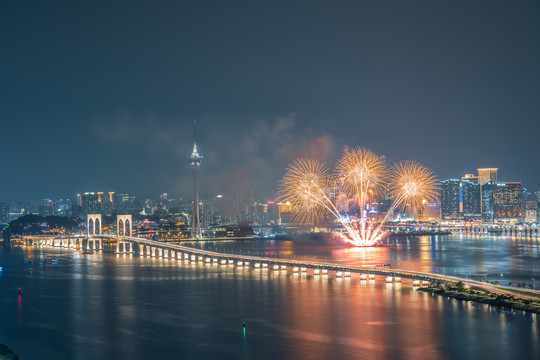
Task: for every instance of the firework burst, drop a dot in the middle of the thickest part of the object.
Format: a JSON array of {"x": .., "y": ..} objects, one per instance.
[
  {"x": 306, "y": 186},
  {"x": 364, "y": 177},
  {"x": 413, "y": 184}
]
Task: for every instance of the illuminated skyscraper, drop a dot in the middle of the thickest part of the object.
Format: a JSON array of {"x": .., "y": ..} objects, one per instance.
[
  {"x": 451, "y": 199},
  {"x": 487, "y": 174},
  {"x": 502, "y": 202},
  {"x": 90, "y": 203},
  {"x": 195, "y": 161},
  {"x": 460, "y": 199},
  {"x": 470, "y": 199},
  {"x": 470, "y": 177}
]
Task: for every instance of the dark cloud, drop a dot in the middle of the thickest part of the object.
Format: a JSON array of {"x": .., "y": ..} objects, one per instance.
[{"x": 234, "y": 159}]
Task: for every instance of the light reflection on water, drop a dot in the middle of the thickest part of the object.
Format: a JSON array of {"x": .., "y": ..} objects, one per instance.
[
  {"x": 518, "y": 259},
  {"x": 108, "y": 307}
]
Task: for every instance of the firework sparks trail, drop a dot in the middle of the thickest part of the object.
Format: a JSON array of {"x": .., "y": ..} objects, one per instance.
[{"x": 365, "y": 177}]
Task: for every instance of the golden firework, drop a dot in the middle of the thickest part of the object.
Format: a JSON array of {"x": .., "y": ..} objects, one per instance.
[
  {"x": 361, "y": 177},
  {"x": 306, "y": 186},
  {"x": 413, "y": 184},
  {"x": 363, "y": 174}
]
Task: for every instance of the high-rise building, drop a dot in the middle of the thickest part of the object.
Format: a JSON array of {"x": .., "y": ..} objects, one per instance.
[
  {"x": 470, "y": 199},
  {"x": 487, "y": 174},
  {"x": 107, "y": 203},
  {"x": 195, "y": 161},
  {"x": 90, "y": 203},
  {"x": 502, "y": 202},
  {"x": 471, "y": 177},
  {"x": 430, "y": 212},
  {"x": 4, "y": 212},
  {"x": 451, "y": 199},
  {"x": 460, "y": 199},
  {"x": 531, "y": 211},
  {"x": 285, "y": 213}
]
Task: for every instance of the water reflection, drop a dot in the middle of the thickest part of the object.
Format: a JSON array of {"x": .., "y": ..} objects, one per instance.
[
  {"x": 103, "y": 306},
  {"x": 460, "y": 255}
]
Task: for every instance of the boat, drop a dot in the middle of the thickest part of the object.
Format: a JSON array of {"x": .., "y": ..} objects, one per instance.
[{"x": 88, "y": 252}]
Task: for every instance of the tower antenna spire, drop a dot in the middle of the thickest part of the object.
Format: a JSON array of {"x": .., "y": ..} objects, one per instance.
[
  {"x": 194, "y": 131},
  {"x": 194, "y": 136}
]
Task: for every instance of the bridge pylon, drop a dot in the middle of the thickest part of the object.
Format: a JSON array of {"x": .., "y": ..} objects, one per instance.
[
  {"x": 124, "y": 227},
  {"x": 93, "y": 228}
]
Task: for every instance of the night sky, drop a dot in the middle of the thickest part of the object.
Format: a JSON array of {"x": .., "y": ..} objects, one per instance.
[{"x": 102, "y": 95}]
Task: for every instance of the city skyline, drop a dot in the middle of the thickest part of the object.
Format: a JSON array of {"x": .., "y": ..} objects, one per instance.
[
  {"x": 269, "y": 180},
  {"x": 452, "y": 89},
  {"x": 264, "y": 196}
]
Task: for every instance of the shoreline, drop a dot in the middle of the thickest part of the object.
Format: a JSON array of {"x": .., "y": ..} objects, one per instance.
[{"x": 486, "y": 297}]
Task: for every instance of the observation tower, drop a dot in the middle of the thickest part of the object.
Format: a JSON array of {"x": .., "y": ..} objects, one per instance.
[{"x": 195, "y": 161}]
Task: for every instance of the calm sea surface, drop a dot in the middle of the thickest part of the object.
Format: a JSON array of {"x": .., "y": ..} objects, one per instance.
[{"x": 103, "y": 306}]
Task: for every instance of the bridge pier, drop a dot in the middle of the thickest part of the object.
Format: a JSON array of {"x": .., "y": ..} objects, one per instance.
[{"x": 297, "y": 267}]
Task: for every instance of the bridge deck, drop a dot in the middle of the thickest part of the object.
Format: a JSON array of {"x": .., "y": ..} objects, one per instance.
[{"x": 343, "y": 268}]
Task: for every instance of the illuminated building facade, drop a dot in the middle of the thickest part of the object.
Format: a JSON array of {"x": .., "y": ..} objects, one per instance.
[
  {"x": 502, "y": 202},
  {"x": 450, "y": 199},
  {"x": 460, "y": 199},
  {"x": 487, "y": 174},
  {"x": 90, "y": 203},
  {"x": 471, "y": 177}
]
